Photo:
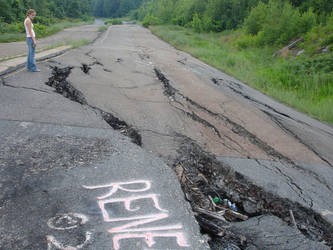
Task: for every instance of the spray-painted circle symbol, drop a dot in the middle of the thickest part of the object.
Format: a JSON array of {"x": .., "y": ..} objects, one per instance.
[{"x": 67, "y": 221}]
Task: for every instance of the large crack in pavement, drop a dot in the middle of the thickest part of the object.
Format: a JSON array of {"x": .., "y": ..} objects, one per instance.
[
  {"x": 240, "y": 130},
  {"x": 236, "y": 128},
  {"x": 172, "y": 93},
  {"x": 237, "y": 90},
  {"x": 58, "y": 80},
  {"x": 203, "y": 176},
  {"x": 276, "y": 120},
  {"x": 291, "y": 183},
  {"x": 284, "y": 128}
]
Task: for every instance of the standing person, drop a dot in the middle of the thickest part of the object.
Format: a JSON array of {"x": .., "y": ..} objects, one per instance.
[{"x": 31, "y": 40}]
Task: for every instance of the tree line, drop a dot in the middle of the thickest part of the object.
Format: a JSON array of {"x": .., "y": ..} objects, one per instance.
[
  {"x": 263, "y": 21},
  {"x": 12, "y": 11},
  {"x": 15, "y": 10},
  {"x": 115, "y": 8},
  {"x": 218, "y": 15}
]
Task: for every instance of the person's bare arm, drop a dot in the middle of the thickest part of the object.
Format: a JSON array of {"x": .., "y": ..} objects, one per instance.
[{"x": 30, "y": 31}]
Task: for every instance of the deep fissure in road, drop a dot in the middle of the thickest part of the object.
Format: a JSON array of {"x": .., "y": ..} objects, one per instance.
[
  {"x": 236, "y": 128},
  {"x": 204, "y": 175},
  {"x": 231, "y": 84},
  {"x": 58, "y": 80}
]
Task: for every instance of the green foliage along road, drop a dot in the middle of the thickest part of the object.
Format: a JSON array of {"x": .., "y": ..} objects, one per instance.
[
  {"x": 55, "y": 15},
  {"x": 52, "y": 16},
  {"x": 240, "y": 37},
  {"x": 15, "y": 10},
  {"x": 236, "y": 36},
  {"x": 115, "y": 8}
]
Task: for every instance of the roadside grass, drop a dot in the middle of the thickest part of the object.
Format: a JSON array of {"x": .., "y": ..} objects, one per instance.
[
  {"x": 74, "y": 43},
  {"x": 113, "y": 21},
  {"x": 102, "y": 28},
  {"x": 78, "y": 43},
  {"x": 41, "y": 31},
  {"x": 294, "y": 81}
]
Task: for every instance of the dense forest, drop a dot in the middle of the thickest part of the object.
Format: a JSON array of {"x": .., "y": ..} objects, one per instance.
[
  {"x": 115, "y": 8},
  {"x": 15, "y": 10},
  {"x": 260, "y": 18},
  {"x": 248, "y": 39},
  {"x": 263, "y": 17}
]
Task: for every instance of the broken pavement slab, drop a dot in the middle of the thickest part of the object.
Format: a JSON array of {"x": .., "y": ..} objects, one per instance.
[
  {"x": 87, "y": 187},
  {"x": 14, "y": 64},
  {"x": 26, "y": 97},
  {"x": 307, "y": 184},
  {"x": 270, "y": 232}
]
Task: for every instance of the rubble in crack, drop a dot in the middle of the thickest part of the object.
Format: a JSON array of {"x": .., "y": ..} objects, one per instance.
[
  {"x": 122, "y": 126},
  {"x": 223, "y": 199},
  {"x": 58, "y": 80}
]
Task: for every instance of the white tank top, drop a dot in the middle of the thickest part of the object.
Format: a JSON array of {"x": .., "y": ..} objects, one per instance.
[{"x": 26, "y": 28}]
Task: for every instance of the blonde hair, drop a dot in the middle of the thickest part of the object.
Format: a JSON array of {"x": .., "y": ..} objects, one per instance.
[{"x": 29, "y": 12}]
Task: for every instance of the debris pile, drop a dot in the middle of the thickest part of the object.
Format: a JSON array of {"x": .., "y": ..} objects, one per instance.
[
  {"x": 221, "y": 197},
  {"x": 58, "y": 80}
]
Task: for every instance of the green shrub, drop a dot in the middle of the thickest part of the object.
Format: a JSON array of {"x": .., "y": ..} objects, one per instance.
[
  {"x": 43, "y": 20},
  {"x": 18, "y": 27},
  {"x": 277, "y": 23},
  {"x": 116, "y": 21},
  {"x": 12, "y": 28},
  {"x": 102, "y": 28},
  {"x": 87, "y": 18},
  {"x": 179, "y": 20},
  {"x": 328, "y": 40},
  {"x": 108, "y": 21},
  {"x": 150, "y": 20},
  {"x": 197, "y": 23},
  {"x": 40, "y": 30},
  {"x": 244, "y": 41},
  {"x": 319, "y": 36},
  {"x": 330, "y": 48},
  {"x": 254, "y": 22}
]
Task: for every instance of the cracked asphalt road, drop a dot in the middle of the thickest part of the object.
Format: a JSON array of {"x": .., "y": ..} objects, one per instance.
[
  {"x": 226, "y": 124},
  {"x": 167, "y": 95}
]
